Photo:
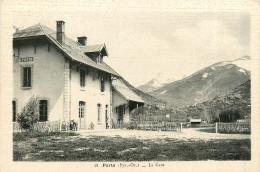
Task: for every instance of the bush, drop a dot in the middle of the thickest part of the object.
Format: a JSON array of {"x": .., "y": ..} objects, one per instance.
[{"x": 29, "y": 114}]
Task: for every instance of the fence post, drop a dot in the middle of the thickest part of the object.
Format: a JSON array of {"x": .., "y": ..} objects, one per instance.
[
  {"x": 181, "y": 127},
  {"x": 216, "y": 127}
]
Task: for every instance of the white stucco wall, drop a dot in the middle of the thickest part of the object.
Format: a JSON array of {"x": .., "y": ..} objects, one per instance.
[
  {"x": 91, "y": 94},
  {"x": 47, "y": 77},
  {"x": 118, "y": 100},
  {"x": 48, "y": 72}
]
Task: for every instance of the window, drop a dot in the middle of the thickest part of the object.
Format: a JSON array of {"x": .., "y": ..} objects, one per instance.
[
  {"x": 99, "y": 59},
  {"x": 14, "y": 110},
  {"x": 82, "y": 78},
  {"x": 124, "y": 109},
  {"x": 43, "y": 110},
  {"x": 34, "y": 48},
  {"x": 18, "y": 49},
  {"x": 99, "y": 112},
  {"x": 102, "y": 83},
  {"x": 27, "y": 77},
  {"x": 81, "y": 109}
]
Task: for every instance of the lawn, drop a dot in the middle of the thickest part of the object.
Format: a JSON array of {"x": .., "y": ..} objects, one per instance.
[{"x": 61, "y": 146}]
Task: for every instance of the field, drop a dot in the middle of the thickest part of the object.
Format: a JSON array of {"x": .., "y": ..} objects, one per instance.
[{"x": 122, "y": 146}]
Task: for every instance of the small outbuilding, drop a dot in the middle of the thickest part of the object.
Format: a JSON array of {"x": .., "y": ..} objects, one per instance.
[{"x": 195, "y": 121}]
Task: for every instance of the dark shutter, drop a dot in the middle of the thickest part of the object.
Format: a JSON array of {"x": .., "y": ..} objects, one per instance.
[
  {"x": 102, "y": 83},
  {"x": 82, "y": 78},
  {"x": 27, "y": 77},
  {"x": 43, "y": 110},
  {"x": 14, "y": 110}
]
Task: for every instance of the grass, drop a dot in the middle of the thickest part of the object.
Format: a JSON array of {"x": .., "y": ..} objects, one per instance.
[{"x": 69, "y": 147}]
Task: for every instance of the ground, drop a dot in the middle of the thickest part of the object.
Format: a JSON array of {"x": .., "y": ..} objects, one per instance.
[{"x": 131, "y": 145}]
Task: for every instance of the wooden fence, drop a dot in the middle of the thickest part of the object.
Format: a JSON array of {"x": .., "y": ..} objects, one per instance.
[
  {"x": 149, "y": 125},
  {"x": 233, "y": 127},
  {"x": 48, "y": 126}
]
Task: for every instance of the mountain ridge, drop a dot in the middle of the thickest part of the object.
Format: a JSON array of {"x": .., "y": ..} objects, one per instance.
[{"x": 205, "y": 84}]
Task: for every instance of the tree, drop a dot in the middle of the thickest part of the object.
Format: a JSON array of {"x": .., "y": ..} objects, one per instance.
[{"x": 29, "y": 114}]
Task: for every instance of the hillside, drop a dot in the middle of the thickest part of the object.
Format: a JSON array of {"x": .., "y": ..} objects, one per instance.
[
  {"x": 237, "y": 100},
  {"x": 148, "y": 99},
  {"x": 217, "y": 79}
]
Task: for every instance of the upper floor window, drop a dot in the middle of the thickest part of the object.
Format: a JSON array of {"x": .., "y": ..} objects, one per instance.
[
  {"x": 99, "y": 59},
  {"x": 102, "y": 84},
  {"x": 35, "y": 47},
  {"x": 82, "y": 78},
  {"x": 27, "y": 76},
  {"x": 43, "y": 110}
]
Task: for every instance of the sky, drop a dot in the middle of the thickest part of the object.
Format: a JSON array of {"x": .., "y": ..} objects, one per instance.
[{"x": 144, "y": 42}]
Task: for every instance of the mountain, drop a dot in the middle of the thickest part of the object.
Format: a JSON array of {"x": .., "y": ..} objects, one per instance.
[
  {"x": 148, "y": 99},
  {"x": 159, "y": 81},
  {"x": 214, "y": 80},
  {"x": 237, "y": 100}
]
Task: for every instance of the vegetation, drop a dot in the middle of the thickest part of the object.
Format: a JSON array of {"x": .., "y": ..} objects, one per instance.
[
  {"x": 29, "y": 114},
  {"x": 224, "y": 108},
  {"x": 69, "y": 147}
]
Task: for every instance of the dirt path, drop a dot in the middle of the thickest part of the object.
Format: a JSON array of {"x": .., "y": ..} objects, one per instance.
[{"x": 186, "y": 134}]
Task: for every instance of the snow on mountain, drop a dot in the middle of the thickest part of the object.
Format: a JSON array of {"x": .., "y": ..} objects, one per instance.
[
  {"x": 163, "y": 92},
  {"x": 204, "y": 84},
  {"x": 243, "y": 62},
  {"x": 159, "y": 81},
  {"x": 242, "y": 70}
]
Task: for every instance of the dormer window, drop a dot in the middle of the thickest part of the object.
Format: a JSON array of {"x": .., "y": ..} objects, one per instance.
[{"x": 99, "y": 59}]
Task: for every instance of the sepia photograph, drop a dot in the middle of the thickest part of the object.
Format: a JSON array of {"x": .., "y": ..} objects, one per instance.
[{"x": 129, "y": 85}]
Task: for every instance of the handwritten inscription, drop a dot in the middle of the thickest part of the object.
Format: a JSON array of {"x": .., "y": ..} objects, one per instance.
[{"x": 26, "y": 59}]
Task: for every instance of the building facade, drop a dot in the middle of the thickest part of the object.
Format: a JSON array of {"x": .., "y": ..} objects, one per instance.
[
  {"x": 124, "y": 100},
  {"x": 70, "y": 79}
]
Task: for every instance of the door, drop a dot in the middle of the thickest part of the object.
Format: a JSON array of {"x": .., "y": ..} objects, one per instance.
[
  {"x": 120, "y": 115},
  {"x": 82, "y": 114},
  {"x": 106, "y": 117}
]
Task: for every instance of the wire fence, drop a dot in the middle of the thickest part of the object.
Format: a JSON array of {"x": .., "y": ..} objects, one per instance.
[
  {"x": 149, "y": 125},
  {"x": 243, "y": 128}
]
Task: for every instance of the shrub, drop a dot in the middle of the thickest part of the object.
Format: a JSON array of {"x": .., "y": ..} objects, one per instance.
[{"x": 29, "y": 114}]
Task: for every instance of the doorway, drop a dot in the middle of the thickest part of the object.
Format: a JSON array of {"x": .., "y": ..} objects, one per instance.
[{"x": 82, "y": 109}]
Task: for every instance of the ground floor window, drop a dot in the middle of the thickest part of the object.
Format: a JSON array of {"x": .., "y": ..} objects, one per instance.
[
  {"x": 99, "y": 112},
  {"x": 43, "y": 110},
  {"x": 82, "y": 109},
  {"x": 14, "y": 110}
]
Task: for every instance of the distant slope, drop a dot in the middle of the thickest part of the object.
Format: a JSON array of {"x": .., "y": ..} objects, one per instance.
[
  {"x": 217, "y": 79},
  {"x": 148, "y": 99},
  {"x": 237, "y": 100}
]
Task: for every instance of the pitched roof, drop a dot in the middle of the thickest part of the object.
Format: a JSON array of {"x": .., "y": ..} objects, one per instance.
[
  {"x": 126, "y": 91},
  {"x": 71, "y": 48}
]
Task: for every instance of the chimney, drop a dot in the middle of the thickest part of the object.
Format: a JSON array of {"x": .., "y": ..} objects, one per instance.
[
  {"x": 82, "y": 40},
  {"x": 61, "y": 32}
]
